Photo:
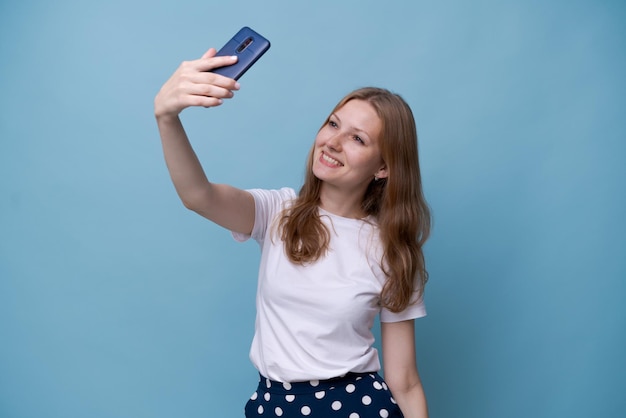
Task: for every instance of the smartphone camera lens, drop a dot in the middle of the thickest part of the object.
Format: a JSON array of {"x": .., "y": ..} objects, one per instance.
[{"x": 244, "y": 44}]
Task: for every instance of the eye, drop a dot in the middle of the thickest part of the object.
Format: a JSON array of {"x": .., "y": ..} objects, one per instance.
[
  {"x": 332, "y": 123},
  {"x": 359, "y": 139}
]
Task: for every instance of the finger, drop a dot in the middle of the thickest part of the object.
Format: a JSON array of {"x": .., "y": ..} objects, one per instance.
[
  {"x": 218, "y": 80},
  {"x": 210, "y": 90},
  {"x": 209, "y": 54},
  {"x": 210, "y": 63},
  {"x": 203, "y": 101}
]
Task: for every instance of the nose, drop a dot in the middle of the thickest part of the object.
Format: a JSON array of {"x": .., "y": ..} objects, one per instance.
[{"x": 334, "y": 142}]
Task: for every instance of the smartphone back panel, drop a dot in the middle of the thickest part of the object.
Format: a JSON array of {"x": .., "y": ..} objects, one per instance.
[{"x": 248, "y": 46}]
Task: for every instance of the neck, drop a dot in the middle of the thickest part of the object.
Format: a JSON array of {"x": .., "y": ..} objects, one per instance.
[{"x": 340, "y": 204}]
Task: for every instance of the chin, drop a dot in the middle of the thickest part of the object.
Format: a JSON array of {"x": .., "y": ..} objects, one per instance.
[{"x": 317, "y": 176}]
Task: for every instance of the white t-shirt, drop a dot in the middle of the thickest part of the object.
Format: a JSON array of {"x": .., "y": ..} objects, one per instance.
[{"x": 314, "y": 322}]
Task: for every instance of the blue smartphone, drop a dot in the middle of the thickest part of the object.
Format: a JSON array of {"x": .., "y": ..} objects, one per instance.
[{"x": 248, "y": 46}]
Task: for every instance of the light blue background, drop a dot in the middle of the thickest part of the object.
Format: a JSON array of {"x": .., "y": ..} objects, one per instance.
[{"x": 117, "y": 302}]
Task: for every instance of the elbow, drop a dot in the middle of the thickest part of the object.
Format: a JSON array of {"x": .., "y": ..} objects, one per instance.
[
  {"x": 192, "y": 205},
  {"x": 404, "y": 383},
  {"x": 188, "y": 203},
  {"x": 404, "y": 387},
  {"x": 194, "y": 201}
]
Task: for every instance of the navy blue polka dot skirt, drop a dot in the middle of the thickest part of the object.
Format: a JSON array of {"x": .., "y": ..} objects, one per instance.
[{"x": 356, "y": 395}]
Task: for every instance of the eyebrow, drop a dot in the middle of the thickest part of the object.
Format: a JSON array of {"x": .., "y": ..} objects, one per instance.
[{"x": 353, "y": 127}]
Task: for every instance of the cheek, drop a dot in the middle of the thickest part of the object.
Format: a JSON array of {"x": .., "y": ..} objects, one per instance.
[
  {"x": 320, "y": 138},
  {"x": 371, "y": 162},
  {"x": 317, "y": 145}
]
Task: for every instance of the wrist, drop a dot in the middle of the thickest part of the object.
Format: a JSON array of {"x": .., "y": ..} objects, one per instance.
[{"x": 166, "y": 118}]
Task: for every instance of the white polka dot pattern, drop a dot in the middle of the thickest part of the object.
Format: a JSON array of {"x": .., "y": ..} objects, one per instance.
[{"x": 350, "y": 396}]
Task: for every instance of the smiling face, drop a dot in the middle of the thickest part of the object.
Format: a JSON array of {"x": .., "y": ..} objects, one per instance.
[{"x": 346, "y": 153}]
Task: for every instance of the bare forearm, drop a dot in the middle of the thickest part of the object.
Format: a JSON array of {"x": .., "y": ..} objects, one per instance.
[
  {"x": 183, "y": 164},
  {"x": 412, "y": 402}
]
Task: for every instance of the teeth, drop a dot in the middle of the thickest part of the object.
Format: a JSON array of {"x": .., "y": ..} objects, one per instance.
[{"x": 331, "y": 160}]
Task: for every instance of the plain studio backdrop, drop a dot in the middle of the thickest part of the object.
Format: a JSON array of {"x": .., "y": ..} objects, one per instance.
[{"x": 116, "y": 302}]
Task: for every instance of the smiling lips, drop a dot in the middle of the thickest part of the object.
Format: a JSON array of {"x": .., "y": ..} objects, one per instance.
[{"x": 329, "y": 161}]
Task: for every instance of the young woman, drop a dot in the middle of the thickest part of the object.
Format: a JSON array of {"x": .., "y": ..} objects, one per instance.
[{"x": 345, "y": 248}]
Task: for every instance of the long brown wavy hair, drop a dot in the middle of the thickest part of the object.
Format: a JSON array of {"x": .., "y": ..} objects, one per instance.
[{"x": 397, "y": 202}]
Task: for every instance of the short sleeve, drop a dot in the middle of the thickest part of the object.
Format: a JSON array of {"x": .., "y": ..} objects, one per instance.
[
  {"x": 267, "y": 204},
  {"x": 415, "y": 310}
]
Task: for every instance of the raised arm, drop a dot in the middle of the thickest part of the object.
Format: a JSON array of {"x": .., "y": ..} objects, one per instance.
[
  {"x": 398, "y": 345},
  {"x": 192, "y": 85}
]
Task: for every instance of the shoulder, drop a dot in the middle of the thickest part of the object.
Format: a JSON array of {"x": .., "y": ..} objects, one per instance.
[{"x": 269, "y": 202}]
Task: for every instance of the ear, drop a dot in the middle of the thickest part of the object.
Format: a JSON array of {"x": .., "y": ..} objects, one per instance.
[{"x": 382, "y": 173}]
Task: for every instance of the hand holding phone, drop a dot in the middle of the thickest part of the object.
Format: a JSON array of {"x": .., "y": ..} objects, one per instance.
[{"x": 248, "y": 46}]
